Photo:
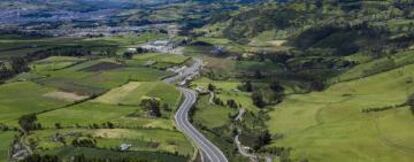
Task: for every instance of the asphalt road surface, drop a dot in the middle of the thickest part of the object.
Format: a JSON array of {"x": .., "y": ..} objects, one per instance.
[{"x": 209, "y": 152}]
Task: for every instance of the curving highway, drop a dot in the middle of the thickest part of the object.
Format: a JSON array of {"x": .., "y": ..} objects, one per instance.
[{"x": 209, "y": 152}]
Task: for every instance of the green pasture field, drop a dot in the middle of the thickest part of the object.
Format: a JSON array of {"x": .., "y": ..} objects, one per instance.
[
  {"x": 5, "y": 142},
  {"x": 19, "y": 98},
  {"x": 330, "y": 125},
  {"x": 377, "y": 66},
  {"x": 210, "y": 115},
  {"x": 228, "y": 90},
  {"x": 140, "y": 139},
  {"x": 85, "y": 114},
  {"x": 89, "y": 113},
  {"x": 55, "y": 63},
  {"x": 78, "y": 80},
  {"x": 67, "y": 152}
]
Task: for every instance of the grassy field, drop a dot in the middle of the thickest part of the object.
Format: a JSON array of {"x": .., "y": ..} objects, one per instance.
[
  {"x": 67, "y": 152},
  {"x": 108, "y": 107},
  {"x": 159, "y": 60},
  {"x": 215, "y": 122},
  {"x": 160, "y": 57},
  {"x": 141, "y": 139},
  {"x": 55, "y": 63},
  {"x": 81, "y": 114},
  {"x": 330, "y": 125},
  {"x": 228, "y": 90},
  {"x": 96, "y": 76},
  {"x": 5, "y": 141},
  {"x": 376, "y": 66},
  {"x": 212, "y": 116},
  {"x": 21, "y": 98}
]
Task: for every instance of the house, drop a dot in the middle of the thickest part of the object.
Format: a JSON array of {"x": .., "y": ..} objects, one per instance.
[
  {"x": 131, "y": 50},
  {"x": 125, "y": 147},
  {"x": 201, "y": 90}
]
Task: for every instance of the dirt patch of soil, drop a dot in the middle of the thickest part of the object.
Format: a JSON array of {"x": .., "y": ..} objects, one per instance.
[
  {"x": 66, "y": 96},
  {"x": 103, "y": 66},
  {"x": 111, "y": 133}
]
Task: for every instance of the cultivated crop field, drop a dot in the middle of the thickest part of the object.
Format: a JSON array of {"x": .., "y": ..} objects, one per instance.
[
  {"x": 96, "y": 76},
  {"x": 78, "y": 96}
]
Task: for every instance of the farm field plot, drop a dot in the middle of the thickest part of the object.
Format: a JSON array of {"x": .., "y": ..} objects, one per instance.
[
  {"x": 55, "y": 63},
  {"x": 92, "y": 153},
  {"x": 127, "y": 40},
  {"x": 85, "y": 114},
  {"x": 159, "y": 60},
  {"x": 132, "y": 93},
  {"x": 56, "y": 82},
  {"x": 325, "y": 126},
  {"x": 140, "y": 139},
  {"x": 21, "y": 98},
  {"x": 161, "y": 57},
  {"x": 20, "y": 47},
  {"x": 90, "y": 113},
  {"x": 96, "y": 76}
]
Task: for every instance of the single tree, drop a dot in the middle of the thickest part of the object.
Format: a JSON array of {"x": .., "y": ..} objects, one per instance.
[
  {"x": 58, "y": 126},
  {"x": 211, "y": 87},
  {"x": 276, "y": 87},
  {"x": 257, "y": 98},
  {"x": 152, "y": 105},
  {"x": 28, "y": 122},
  {"x": 246, "y": 86}
]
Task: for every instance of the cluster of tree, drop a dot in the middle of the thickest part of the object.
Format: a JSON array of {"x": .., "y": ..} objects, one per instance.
[
  {"x": 282, "y": 152},
  {"x": 218, "y": 101},
  {"x": 130, "y": 53},
  {"x": 4, "y": 127},
  {"x": 232, "y": 103},
  {"x": 255, "y": 133},
  {"x": 152, "y": 105},
  {"x": 211, "y": 87},
  {"x": 41, "y": 158},
  {"x": 229, "y": 103},
  {"x": 258, "y": 99},
  {"x": 107, "y": 125},
  {"x": 17, "y": 65},
  {"x": 23, "y": 34},
  {"x": 28, "y": 123},
  {"x": 379, "y": 109},
  {"x": 278, "y": 91},
  {"x": 258, "y": 95},
  {"x": 84, "y": 142},
  {"x": 246, "y": 86},
  {"x": 59, "y": 138},
  {"x": 262, "y": 139}
]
